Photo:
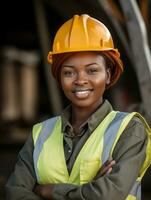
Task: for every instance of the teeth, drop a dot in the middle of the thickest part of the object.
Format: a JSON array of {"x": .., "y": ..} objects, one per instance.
[
  {"x": 82, "y": 90},
  {"x": 82, "y": 94}
]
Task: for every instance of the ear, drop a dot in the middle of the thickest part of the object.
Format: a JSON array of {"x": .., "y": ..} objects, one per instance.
[{"x": 108, "y": 76}]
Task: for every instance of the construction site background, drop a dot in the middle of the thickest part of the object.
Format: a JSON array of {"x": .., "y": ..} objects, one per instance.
[{"x": 29, "y": 94}]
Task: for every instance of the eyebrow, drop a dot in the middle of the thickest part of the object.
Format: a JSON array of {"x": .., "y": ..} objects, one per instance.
[{"x": 72, "y": 66}]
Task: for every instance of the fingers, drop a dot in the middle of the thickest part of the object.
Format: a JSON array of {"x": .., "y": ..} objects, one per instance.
[
  {"x": 106, "y": 168},
  {"x": 108, "y": 161},
  {"x": 109, "y": 167},
  {"x": 37, "y": 190},
  {"x": 44, "y": 191},
  {"x": 109, "y": 170}
]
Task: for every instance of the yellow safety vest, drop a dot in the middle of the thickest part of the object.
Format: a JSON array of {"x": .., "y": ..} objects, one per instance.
[{"x": 49, "y": 161}]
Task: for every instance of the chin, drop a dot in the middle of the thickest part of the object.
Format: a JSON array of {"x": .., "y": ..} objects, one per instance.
[{"x": 83, "y": 104}]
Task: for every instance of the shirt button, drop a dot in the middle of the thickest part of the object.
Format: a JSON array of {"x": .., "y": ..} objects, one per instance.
[{"x": 69, "y": 150}]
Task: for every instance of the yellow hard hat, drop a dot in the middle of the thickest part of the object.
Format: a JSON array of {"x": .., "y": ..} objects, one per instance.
[{"x": 82, "y": 33}]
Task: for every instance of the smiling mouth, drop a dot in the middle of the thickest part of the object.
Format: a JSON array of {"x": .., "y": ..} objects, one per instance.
[
  {"x": 81, "y": 90},
  {"x": 82, "y": 93}
]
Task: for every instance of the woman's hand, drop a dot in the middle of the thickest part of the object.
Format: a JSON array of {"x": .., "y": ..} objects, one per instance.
[
  {"x": 106, "y": 168},
  {"x": 44, "y": 191}
]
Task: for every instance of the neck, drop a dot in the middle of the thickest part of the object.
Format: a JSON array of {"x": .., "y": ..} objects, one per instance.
[{"x": 81, "y": 114}]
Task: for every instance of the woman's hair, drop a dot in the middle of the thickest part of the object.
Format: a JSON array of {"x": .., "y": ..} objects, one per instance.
[{"x": 114, "y": 64}]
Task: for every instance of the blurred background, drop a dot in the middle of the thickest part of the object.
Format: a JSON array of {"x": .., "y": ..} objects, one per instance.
[{"x": 29, "y": 94}]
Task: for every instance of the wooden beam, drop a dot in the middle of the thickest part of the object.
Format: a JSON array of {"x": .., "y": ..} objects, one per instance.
[
  {"x": 104, "y": 5},
  {"x": 43, "y": 32},
  {"x": 116, "y": 11}
]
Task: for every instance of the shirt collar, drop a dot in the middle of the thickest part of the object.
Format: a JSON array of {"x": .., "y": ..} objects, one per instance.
[
  {"x": 65, "y": 117},
  {"x": 98, "y": 116},
  {"x": 95, "y": 119}
]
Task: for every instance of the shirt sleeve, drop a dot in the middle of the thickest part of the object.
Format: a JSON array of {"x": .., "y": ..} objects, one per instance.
[
  {"x": 22, "y": 181},
  {"x": 129, "y": 154}
]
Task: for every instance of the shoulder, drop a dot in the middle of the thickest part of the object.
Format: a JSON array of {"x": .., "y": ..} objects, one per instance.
[
  {"x": 45, "y": 123},
  {"x": 44, "y": 128},
  {"x": 135, "y": 128},
  {"x": 133, "y": 140}
]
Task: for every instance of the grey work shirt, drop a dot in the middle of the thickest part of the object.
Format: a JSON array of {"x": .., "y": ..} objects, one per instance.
[{"x": 129, "y": 154}]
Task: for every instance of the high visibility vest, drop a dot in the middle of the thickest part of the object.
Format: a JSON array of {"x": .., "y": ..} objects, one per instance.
[{"x": 49, "y": 160}]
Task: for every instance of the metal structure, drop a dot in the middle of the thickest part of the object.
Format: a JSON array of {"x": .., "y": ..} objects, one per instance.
[
  {"x": 44, "y": 36},
  {"x": 135, "y": 46},
  {"x": 140, "y": 52},
  {"x": 129, "y": 22}
]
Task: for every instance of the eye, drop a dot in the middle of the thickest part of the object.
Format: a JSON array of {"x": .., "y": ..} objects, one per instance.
[
  {"x": 92, "y": 70},
  {"x": 68, "y": 73}
]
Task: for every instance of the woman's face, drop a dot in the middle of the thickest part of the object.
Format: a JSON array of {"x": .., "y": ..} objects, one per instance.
[{"x": 84, "y": 76}]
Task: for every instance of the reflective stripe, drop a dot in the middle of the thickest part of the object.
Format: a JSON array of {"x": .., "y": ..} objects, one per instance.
[
  {"x": 109, "y": 139},
  {"x": 47, "y": 128},
  {"x": 136, "y": 190},
  {"x": 111, "y": 133}
]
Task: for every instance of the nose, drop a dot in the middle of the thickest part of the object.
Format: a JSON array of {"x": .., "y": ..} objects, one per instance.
[{"x": 81, "y": 79}]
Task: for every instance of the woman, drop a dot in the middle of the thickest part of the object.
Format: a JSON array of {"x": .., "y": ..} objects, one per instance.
[{"x": 90, "y": 151}]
